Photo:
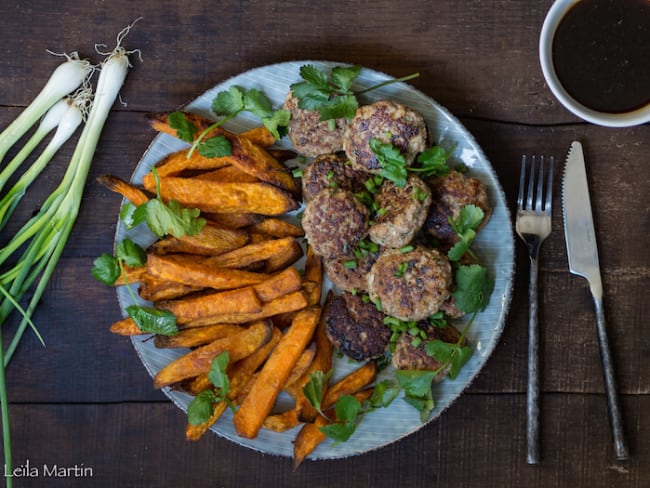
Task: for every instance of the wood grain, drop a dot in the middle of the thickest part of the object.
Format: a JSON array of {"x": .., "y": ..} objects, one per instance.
[{"x": 86, "y": 398}]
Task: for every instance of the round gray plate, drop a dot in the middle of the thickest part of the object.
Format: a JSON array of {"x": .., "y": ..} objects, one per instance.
[{"x": 495, "y": 246}]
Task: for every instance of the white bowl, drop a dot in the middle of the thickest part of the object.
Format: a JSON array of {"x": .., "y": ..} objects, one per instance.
[{"x": 551, "y": 22}]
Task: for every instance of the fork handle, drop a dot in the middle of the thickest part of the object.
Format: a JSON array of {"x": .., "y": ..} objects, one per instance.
[
  {"x": 532, "y": 398},
  {"x": 614, "y": 409}
]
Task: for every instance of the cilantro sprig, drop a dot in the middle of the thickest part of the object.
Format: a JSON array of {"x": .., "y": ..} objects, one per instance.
[
  {"x": 107, "y": 269},
  {"x": 332, "y": 95},
  {"x": 465, "y": 226},
  {"x": 200, "y": 408},
  {"x": 228, "y": 104},
  {"x": 163, "y": 218},
  {"x": 431, "y": 162},
  {"x": 348, "y": 411}
]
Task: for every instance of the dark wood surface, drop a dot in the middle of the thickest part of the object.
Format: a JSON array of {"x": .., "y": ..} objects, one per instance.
[{"x": 85, "y": 399}]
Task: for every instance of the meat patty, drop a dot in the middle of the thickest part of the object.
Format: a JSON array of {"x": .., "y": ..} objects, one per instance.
[
  {"x": 330, "y": 171},
  {"x": 450, "y": 194},
  {"x": 334, "y": 222},
  {"x": 403, "y": 212},
  {"x": 389, "y": 122},
  {"x": 350, "y": 272},
  {"x": 355, "y": 326},
  {"x": 410, "y": 285},
  {"x": 308, "y": 135},
  {"x": 415, "y": 357}
]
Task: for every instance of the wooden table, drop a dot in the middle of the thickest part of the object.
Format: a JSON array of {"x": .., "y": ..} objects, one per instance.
[{"x": 85, "y": 399}]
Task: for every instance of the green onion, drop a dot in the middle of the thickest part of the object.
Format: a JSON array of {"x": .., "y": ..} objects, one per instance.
[{"x": 43, "y": 237}]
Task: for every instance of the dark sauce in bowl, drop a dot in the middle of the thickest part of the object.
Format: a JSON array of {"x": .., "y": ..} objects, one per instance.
[{"x": 601, "y": 54}]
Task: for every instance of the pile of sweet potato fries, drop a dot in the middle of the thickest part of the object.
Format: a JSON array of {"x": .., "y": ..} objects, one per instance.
[{"x": 234, "y": 287}]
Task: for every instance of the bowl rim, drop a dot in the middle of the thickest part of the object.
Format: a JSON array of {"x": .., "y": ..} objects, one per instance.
[{"x": 551, "y": 22}]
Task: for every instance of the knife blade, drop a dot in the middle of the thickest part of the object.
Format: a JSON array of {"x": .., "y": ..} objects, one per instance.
[{"x": 582, "y": 253}]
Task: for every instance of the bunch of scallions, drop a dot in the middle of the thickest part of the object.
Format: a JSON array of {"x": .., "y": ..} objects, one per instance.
[{"x": 28, "y": 260}]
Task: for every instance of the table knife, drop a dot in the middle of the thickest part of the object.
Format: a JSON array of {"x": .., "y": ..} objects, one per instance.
[{"x": 582, "y": 252}]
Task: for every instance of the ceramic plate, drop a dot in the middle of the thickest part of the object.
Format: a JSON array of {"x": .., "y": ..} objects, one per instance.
[{"x": 494, "y": 245}]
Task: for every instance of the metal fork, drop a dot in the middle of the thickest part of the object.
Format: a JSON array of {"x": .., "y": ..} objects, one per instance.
[{"x": 533, "y": 224}]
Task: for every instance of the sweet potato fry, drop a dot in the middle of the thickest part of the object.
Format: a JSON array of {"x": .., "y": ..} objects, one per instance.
[
  {"x": 287, "y": 303},
  {"x": 280, "y": 284},
  {"x": 213, "y": 196},
  {"x": 178, "y": 162},
  {"x": 191, "y": 271},
  {"x": 258, "y": 403},
  {"x": 228, "y": 174},
  {"x": 276, "y": 227},
  {"x": 255, "y": 160},
  {"x": 232, "y": 220},
  {"x": 131, "y": 275},
  {"x": 284, "y": 257},
  {"x": 211, "y": 240},
  {"x": 322, "y": 362},
  {"x": 313, "y": 276},
  {"x": 238, "y": 375},
  {"x": 307, "y": 439},
  {"x": 353, "y": 382},
  {"x": 206, "y": 306},
  {"x": 126, "y": 327},
  {"x": 133, "y": 194},
  {"x": 154, "y": 289},
  {"x": 281, "y": 422},
  {"x": 253, "y": 253},
  {"x": 303, "y": 363},
  {"x": 199, "y": 360},
  {"x": 197, "y": 336}
]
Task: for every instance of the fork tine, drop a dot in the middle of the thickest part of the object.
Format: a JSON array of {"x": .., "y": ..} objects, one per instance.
[
  {"x": 522, "y": 183},
  {"x": 549, "y": 187},
  {"x": 531, "y": 184},
  {"x": 540, "y": 185}
]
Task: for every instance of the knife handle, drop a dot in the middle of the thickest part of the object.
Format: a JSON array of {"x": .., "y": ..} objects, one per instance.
[{"x": 614, "y": 409}]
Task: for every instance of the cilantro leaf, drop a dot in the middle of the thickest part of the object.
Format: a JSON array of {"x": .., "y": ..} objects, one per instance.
[
  {"x": 172, "y": 218},
  {"x": 218, "y": 377},
  {"x": 331, "y": 95},
  {"x": 199, "y": 409},
  {"x": 314, "y": 76},
  {"x": 439, "y": 350},
  {"x": 228, "y": 101},
  {"x": 343, "y": 76},
  {"x": 465, "y": 226},
  {"x": 185, "y": 130},
  {"x": 257, "y": 103},
  {"x": 106, "y": 269},
  {"x": 474, "y": 285},
  {"x": 153, "y": 320},
  {"x": 215, "y": 147},
  {"x": 433, "y": 162},
  {"x": 313, "y": 390},
  {"x": 461, "y": 356},
  {"x": 392, "y": 162},
  {"x": 347, "y": 410},
  {"x": 417, "y": 390},
  {"x": 131, "y": 253},
  {"x": 277, "y": 123}
]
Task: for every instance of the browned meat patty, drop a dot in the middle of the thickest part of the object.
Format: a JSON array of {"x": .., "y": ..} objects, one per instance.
[
  {"x": 330, "y": 171},
  {"x": 355, "y": 327},
  {"x": 450, "y": 194},
  {"x": 350, "y": 272},
  {"x": 403, "y": 212},
  {"x": 410, "y": 285},
  {"x": 334, "y": 222},
  {"x": 408, "y": 356},
  {"x": 308, "y": 135},
  {"x": 389, "y": 122}
]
